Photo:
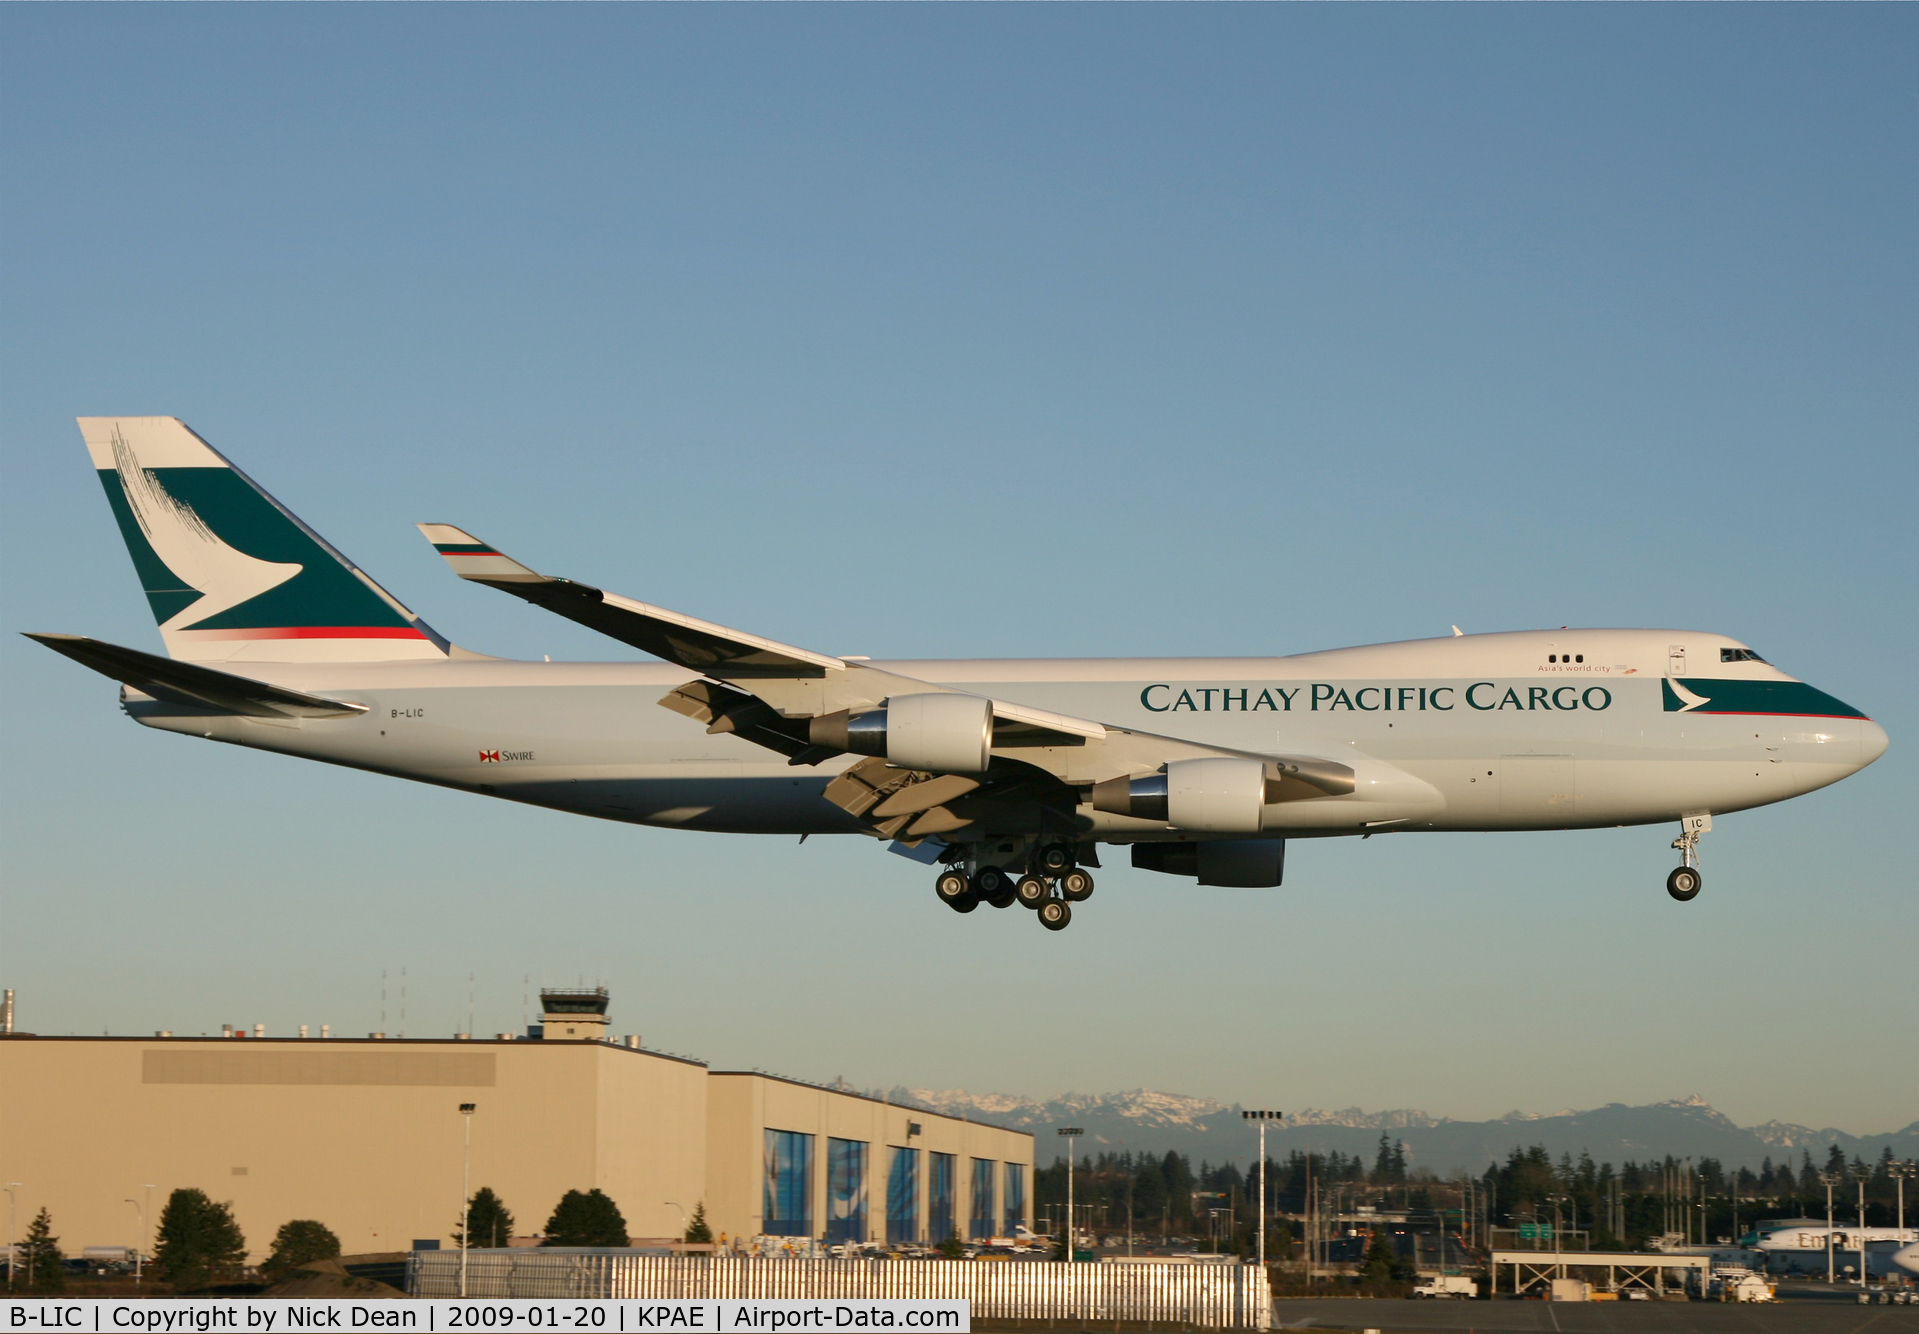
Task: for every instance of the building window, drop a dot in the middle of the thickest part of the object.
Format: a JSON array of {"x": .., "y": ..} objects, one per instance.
[
  {"x": 903, "y": 1196},
  {"x": 939, "y": 1198},
  {"x": 785, "y": 1208},
  {"x": 845, "y": 1190},
  {"x": 982, "y": 1218},
  {"x": 1015, "y": 1198}
]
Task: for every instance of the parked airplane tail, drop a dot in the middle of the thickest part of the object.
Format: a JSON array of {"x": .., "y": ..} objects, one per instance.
[{"x": 230, "y": 573}]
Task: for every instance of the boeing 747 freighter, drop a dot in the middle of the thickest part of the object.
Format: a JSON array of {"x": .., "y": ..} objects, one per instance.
[{"x": 1010, "y": 775}]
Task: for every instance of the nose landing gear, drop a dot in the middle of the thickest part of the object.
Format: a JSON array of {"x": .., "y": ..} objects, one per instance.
[{"x": 1685, "y": 881}]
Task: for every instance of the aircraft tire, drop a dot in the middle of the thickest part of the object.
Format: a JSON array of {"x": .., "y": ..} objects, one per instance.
[
  {"x": 989, "y": 882},
  {"x": 1055, "y": 914},
  {"x": 1076, "y": 885},
  {"x": 1005, "y": 900},
  {"x": 1032, "y": 891},
  {"x": 967, "y": 904},
  {"x": 1684, "y": 884},
  {"x": 952, "y": 886},
  {"x": 1054, "y": 859}
]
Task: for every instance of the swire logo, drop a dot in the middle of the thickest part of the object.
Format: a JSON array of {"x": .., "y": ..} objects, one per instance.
[
  {"x": 504, "y": 756},
  {"x": 489, "y": 757}
]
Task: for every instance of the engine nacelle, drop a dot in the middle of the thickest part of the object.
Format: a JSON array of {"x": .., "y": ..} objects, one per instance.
[
  {"x": 947, "y": 733},
  {"x": 1222, "y": 795}
]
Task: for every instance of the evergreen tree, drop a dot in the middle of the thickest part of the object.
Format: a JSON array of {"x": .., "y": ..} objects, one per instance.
[
  {"x": 198, "y": 1242},
  {"x": 698, "y": 1230},
  {"x": 40, "y": 1253},
  {"x": 488, "y": 1220},
  {"x": 300, "y": 1242},
  {"x": 1836, "y": 1161},
  {"x": 951, "y": 1249},
  {"x": 1383, "y": 1263},
  {"x": 587, "y": 1218},
  {"x": 1177, "y": 1173}
]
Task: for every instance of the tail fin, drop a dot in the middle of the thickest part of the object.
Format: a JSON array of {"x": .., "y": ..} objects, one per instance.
[{"x": 230, "y": 573}]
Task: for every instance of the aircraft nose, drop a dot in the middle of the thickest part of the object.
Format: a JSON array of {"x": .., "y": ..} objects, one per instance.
[{"x": 1872, "y": 742}]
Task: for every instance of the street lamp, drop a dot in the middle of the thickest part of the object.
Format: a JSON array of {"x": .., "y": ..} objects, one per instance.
[
  {"x": 1070, "y": 1132},
  {"x": 143, "y": 1234},
  {"x": 13, "y": 1235},
  {"x": 1899, "y": 1172},
  {"x": 682, "y": 1208},
  {"x": 1829, "y": 1179},
  {"x": 1262, "y": 1118},
  {"x": 1862, "y": 1173},
  {"x": 466, "y": 1189}
]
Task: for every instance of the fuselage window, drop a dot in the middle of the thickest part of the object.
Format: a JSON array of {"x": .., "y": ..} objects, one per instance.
[
  {"x": 1582, "y": 657},
  {"x": 1567, "y": 657}
]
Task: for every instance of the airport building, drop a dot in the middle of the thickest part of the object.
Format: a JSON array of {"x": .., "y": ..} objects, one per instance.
[{"x": 368, "y": 1136}]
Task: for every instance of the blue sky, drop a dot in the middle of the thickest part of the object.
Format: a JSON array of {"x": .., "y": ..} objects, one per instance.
[{"x": 929, "y": 330}]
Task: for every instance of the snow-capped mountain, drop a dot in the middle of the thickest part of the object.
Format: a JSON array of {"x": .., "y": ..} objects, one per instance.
[{"x": 1150, "y": 1121}]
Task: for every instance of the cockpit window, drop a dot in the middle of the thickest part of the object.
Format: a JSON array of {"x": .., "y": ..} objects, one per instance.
[{"x": 1739, "y": 655}]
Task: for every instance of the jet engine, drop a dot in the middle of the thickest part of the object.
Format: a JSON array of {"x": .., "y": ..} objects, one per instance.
[
  {"x": 947, "y": 733},
  {"x": 1220, "y": 795}
]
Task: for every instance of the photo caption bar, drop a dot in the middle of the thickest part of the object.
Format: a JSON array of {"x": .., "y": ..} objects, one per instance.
[{"x": 272, "y": 1315}]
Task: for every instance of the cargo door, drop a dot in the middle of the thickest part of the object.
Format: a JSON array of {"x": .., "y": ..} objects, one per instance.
[{"x": 1537, "y": 787}]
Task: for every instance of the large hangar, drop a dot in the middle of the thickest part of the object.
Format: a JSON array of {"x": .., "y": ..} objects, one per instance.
[{"x": 366, "y": 1135}]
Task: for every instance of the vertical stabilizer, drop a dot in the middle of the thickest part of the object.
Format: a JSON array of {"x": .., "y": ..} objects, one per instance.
[{"x": 230, "y": 573}]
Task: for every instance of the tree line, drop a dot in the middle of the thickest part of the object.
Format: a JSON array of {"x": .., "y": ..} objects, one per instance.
[
  {"x": 198, "y": 1243},
  {"x": 1165, "y": 1195}
]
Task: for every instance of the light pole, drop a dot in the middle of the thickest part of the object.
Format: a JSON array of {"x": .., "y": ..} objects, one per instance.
[
  {"x": 1862, "y": 1174},
  {"x": 466, "y": 1188},
  {"x": 143, "y": 1234},
  {"x": 1899, "y": 1172},
  {"x": 13, "y": 1235},
  {"x": 1070, "y": 1132},
  {"x": 1262, "y": 1118},
  {"x": 1829, "y": 1179},
  {"x": 682, "y": 1208}
]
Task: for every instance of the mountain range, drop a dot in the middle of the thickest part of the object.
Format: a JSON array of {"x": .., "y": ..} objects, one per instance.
[{"x": 1148, "y": 1121}]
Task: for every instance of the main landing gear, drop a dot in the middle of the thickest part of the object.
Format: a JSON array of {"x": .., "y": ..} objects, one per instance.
[
  {"x": 1684, "y": 883},
  {"x": 1049, "y": 887}
]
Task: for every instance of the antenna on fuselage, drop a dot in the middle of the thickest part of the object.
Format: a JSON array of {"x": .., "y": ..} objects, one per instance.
[{"x": 1458, "y": 633}]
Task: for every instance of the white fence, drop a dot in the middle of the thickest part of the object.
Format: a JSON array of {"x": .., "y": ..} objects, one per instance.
[{"x": 1200, "y": 1296}]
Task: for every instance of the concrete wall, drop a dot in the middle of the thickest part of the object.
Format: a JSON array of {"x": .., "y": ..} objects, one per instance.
[
  {"x": 363, "y": 1135},
  {"x": 742, "y": 1107}
]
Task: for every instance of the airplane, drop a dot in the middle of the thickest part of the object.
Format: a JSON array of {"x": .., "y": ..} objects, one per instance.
[{"x": 1009, "y": 775}]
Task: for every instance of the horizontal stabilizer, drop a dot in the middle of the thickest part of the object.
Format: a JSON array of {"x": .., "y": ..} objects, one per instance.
[
  {"x": 188, "y": 683},
  {"x": 697, "y": 645}
]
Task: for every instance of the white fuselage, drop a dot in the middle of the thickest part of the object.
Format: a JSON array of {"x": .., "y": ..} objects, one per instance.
[{"x": 1479, "y": 732}]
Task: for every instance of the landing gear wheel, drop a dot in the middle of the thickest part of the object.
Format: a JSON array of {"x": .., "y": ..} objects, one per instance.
[
  {"x": 1005, "y": 900},
  {"x": 1683, "y": 884},
  {"x": 1055, "y": 914},
  {"x": 1054, "y": 859},
  {"x": 989, "y": 883},
  {"x": 1076, "y": 885},
  {"x": 956, "y": 891},
  {"x": 1031, "y": 891}
]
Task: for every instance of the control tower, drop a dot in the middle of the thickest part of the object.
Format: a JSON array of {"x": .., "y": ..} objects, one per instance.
[{"x": 578, "y": 1013}]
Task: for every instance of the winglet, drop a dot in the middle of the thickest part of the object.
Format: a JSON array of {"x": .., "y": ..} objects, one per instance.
[{"x": 473, "y": 559}]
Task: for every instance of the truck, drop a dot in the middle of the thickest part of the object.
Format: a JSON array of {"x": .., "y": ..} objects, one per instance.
[{"x": 1447, "y": 1285}]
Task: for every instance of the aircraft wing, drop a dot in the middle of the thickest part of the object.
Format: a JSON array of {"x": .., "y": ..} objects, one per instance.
[
  {"x": 193, "y": 685},
  {"x": 807, "y": 706}
]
